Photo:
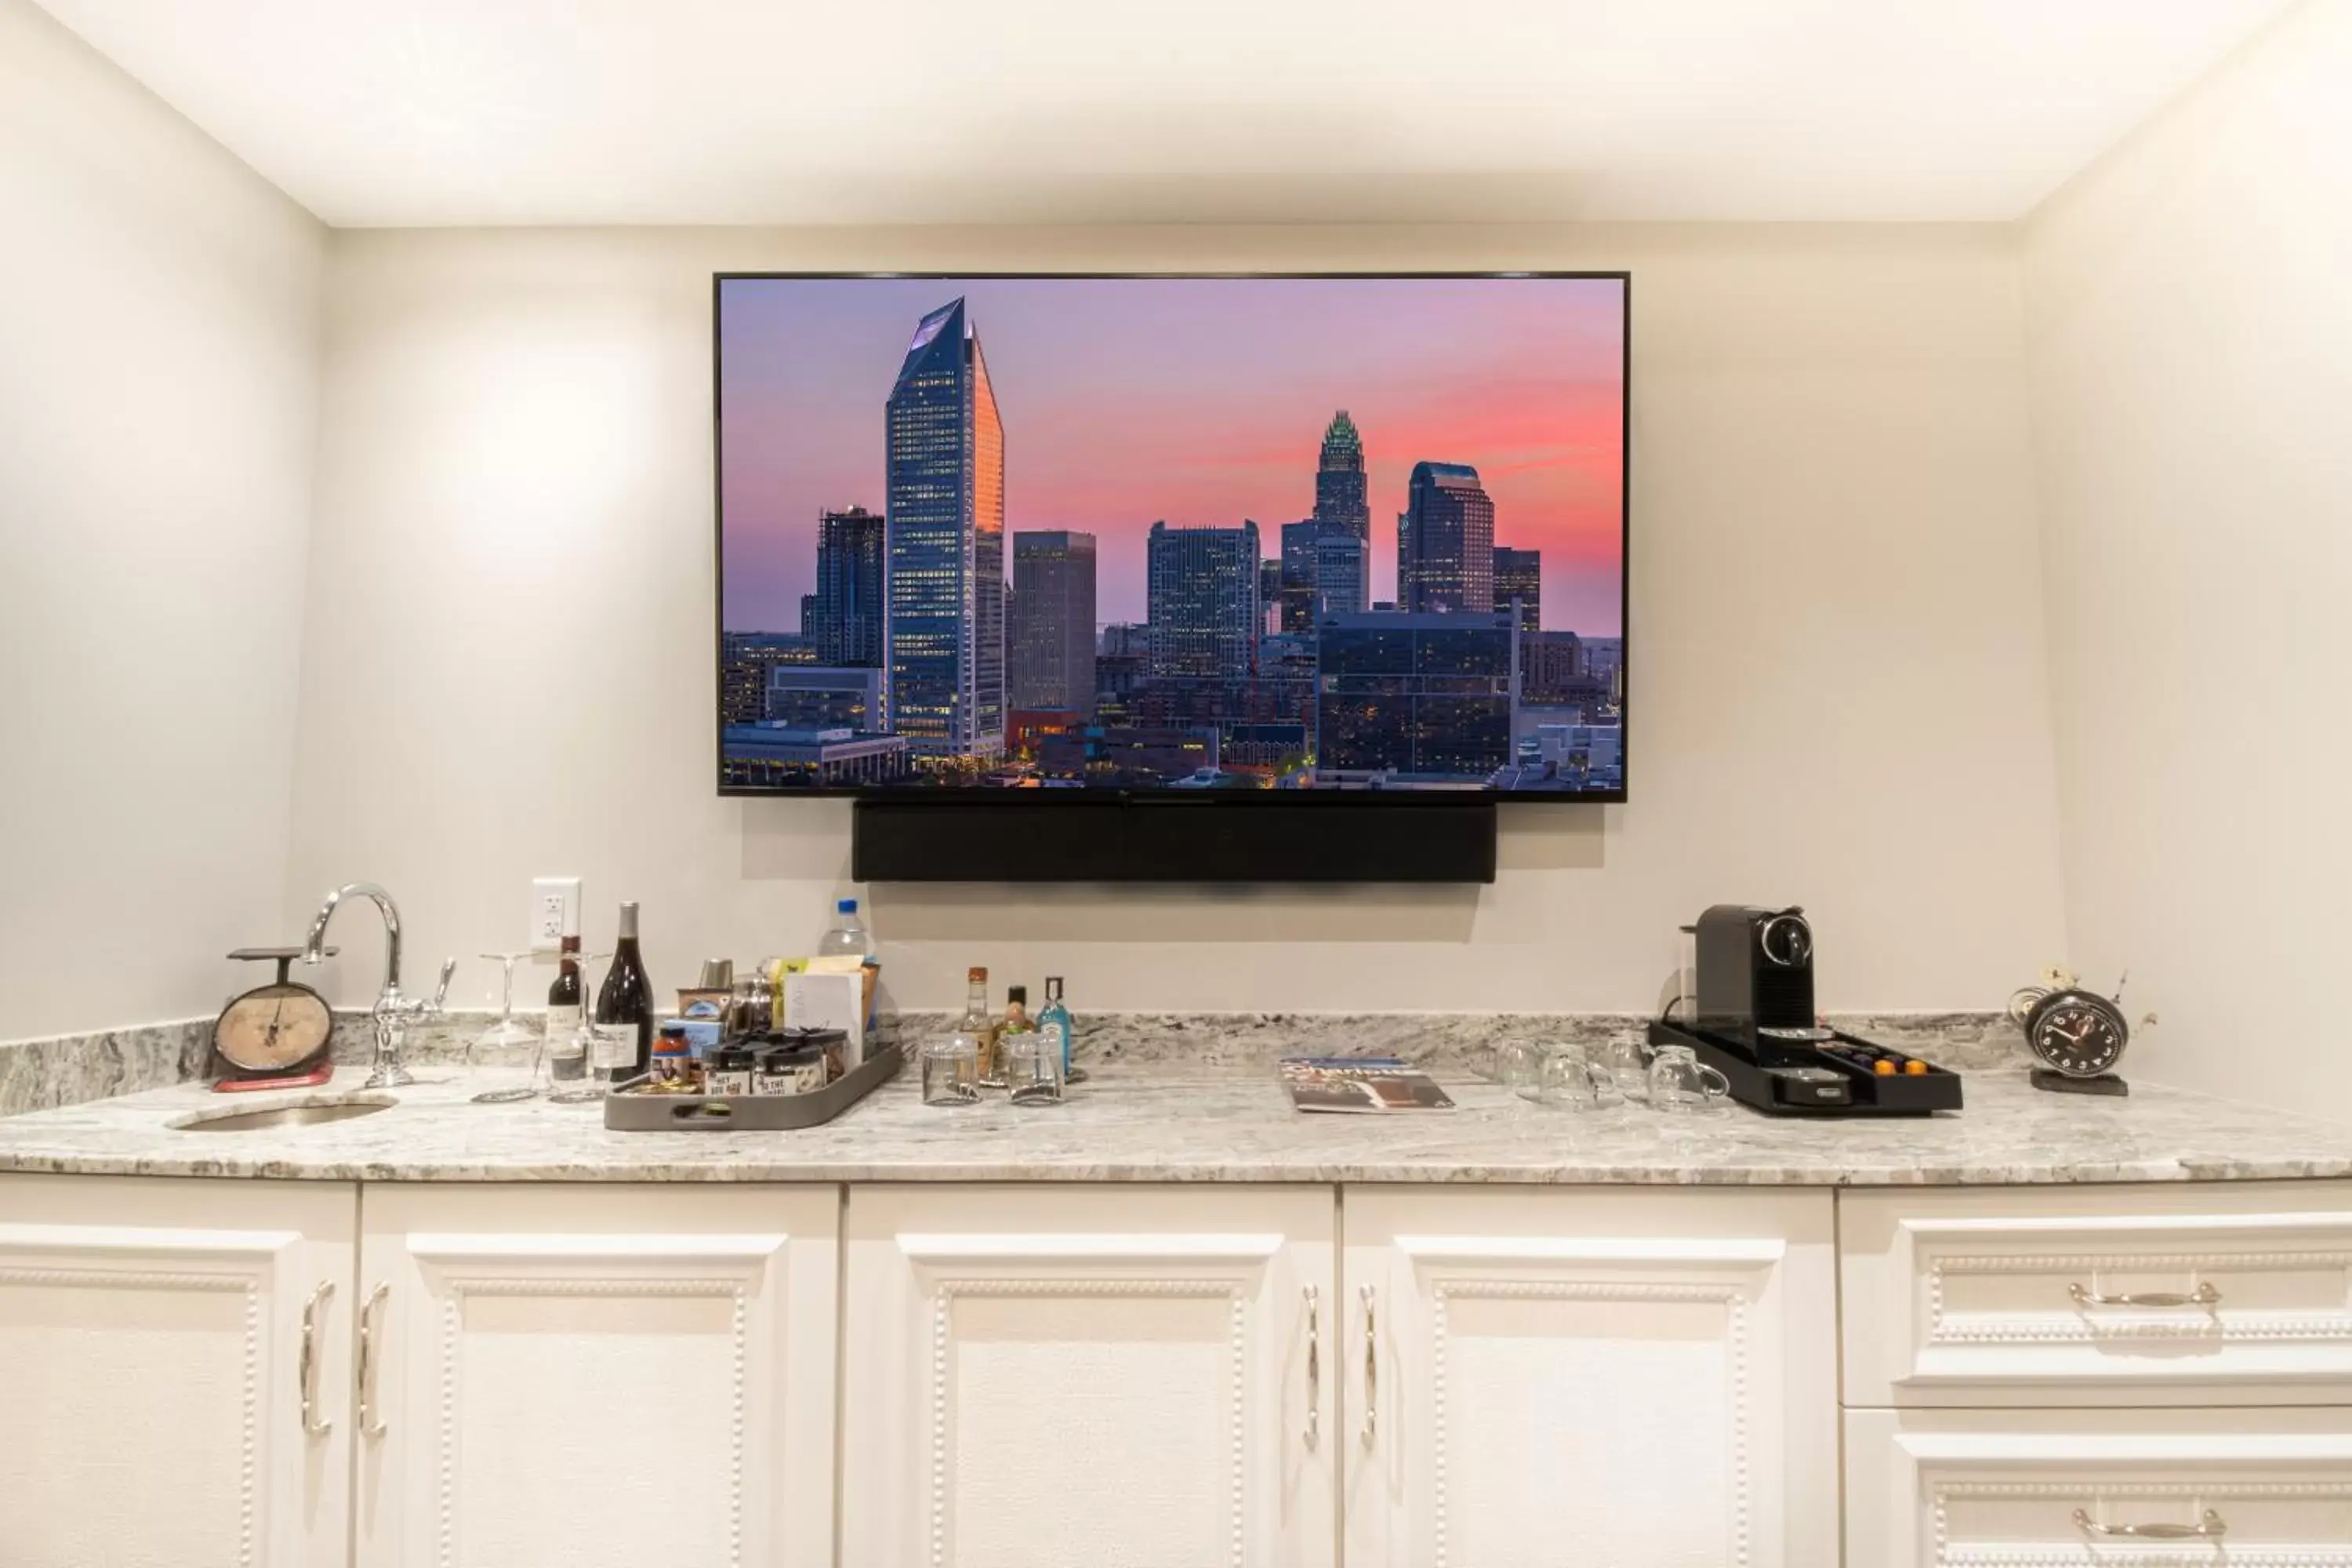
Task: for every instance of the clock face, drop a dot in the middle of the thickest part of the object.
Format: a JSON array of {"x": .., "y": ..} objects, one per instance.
[
  {"x": 2080, "y": 1035},
  {"x": 273, "y": 1028}
]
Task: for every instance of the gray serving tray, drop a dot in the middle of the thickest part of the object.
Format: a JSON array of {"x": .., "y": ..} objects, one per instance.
[{"x": 626, "y": 1112}]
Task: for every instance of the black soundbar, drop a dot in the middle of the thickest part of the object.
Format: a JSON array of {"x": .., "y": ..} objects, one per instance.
[{"x": 1227, "y": 839}]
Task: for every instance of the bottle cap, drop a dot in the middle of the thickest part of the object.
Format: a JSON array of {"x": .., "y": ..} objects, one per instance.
[
  {"x": 1016, "y": 993},
  {"x": 847, "y": 907},
  {"x": 976, "y": 975}
]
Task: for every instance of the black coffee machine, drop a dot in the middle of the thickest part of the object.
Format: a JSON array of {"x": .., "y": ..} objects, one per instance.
[{"x": 1755, "y": 1022}]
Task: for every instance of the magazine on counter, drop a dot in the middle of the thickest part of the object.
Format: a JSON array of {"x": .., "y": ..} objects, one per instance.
[{"x": 1356, "y": 1083}]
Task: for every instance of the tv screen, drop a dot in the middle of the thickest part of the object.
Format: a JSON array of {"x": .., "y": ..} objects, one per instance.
[{"x": 1316, "y": 536}]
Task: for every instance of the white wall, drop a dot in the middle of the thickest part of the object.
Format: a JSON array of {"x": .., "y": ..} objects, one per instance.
[
  {"x": 1837, "y": 659},
  {"x": 158, "y": 376},
  {"x": 2191, "y": 323}
]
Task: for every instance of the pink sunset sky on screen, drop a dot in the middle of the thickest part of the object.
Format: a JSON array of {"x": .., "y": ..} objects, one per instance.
[{"x": 1199, "y": 401}]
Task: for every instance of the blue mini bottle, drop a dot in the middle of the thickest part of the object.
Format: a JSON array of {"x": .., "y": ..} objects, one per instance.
[{"x": 1054, "y": 1021}]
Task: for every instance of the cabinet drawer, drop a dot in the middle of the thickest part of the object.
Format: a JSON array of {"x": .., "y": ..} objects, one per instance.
[
  {"x": 2099, "y": 1488},
  {"x": 2223, "y": 1295}
]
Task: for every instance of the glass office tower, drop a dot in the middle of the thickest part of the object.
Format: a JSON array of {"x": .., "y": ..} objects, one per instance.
[
  {"x": 1445, "y": 542},
  {"x": 1341, "y": 497},
  {"x": 944, "y": 452}
]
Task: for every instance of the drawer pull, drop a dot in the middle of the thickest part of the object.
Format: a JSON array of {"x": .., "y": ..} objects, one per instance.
[
  {"x": 2203, "y": 1296},
  {"x": 2209, "y": 1528}
]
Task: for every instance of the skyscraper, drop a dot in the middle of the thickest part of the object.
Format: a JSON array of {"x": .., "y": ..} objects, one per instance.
[
  {"x": 1340, "y": 494},
  {"x": 1446, "y": 543},
  {"x": 1304, "y": 596},
  {"x": 1342, "y": 575},
  {"x": 1519, "y": 579},
  {"x": 1269, "y": 586},
  {"x": 943, "y": 447},
  {"x": 849, "y": 554},
  {"x": 1201, "y": 594},
  {"x": 1428, "y": 696},
  {"x": 1053, "y": 628}
]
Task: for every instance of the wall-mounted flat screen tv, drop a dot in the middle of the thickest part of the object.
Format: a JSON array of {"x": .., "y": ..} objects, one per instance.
[{"x": 1307, "y": 537}]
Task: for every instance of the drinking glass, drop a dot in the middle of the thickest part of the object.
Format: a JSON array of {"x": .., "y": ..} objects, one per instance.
[
  {"x": 1627, "y": 1057},
  {"x": 586, "y": 1090},
  {"x": 1033, "y": 1067},
  {"x": 1519, "y": 1064},
  {"x": 1682, "y": 1085},
  {"x": 505, "y": 1033},
  {"x": 1570, "y": 1080},
  {"x": 951, "y": 1071}
]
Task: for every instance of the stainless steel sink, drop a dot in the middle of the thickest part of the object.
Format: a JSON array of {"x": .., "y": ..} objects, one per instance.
[{"x": 300, "y": 1113}]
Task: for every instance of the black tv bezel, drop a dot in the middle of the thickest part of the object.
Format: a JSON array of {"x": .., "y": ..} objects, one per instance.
[{"x": 1288, "y": 799}]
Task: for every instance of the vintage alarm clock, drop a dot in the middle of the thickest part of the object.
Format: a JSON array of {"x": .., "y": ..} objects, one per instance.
[
  {"x": 2078, "y": 1036},
  {"x": 275, "y": 1035}
]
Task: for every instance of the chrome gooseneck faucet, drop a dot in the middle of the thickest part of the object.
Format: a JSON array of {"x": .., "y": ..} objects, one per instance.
[{"x": 393, "y": 1012}]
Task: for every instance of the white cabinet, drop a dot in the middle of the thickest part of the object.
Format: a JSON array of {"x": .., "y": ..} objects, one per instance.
[
  {"x": 1089, "y": 1377},
  {"x": 1605, "y": 1376},
  {"x": 2099, "y": 1488},
  {"x": 152, "y": 1363},
  {"x": 599, "y": 1376},
  {"x": 2221, "y": 1294}
]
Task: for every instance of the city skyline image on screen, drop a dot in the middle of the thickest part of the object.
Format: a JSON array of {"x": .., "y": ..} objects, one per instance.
[{"x": 1317, "y": 535}]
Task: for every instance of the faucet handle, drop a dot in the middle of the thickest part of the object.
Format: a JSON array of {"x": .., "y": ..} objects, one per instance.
[{"x": 441, "y": 992}]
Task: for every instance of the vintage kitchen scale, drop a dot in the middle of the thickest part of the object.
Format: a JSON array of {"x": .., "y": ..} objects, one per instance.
[{"x": 275, "y": 1035}]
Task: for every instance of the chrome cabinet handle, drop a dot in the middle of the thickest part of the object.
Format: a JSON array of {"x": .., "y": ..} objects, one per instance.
[
  {"x": 2209, "y": 1528},
  {"x": 2205, "y": 1295},
  {"x": 371, "y": 1424},
  {"x": 1372, "y": 1369},
  {"x": 307, "y": 1376},
  {"x": 1314, "y": 1365}
]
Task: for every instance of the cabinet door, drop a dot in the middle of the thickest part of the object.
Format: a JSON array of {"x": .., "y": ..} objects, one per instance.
[
  {"x": 1587, "y": 1376},
  {"x": 602, "y": 1377},
  {"x": 153, "y": 1372},
  {"x": 2099, "y": 1488},
  {"x": 1043, "y": 1377}
]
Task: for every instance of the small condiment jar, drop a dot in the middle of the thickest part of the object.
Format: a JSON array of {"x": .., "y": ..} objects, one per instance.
[
  {"x": 789, "y": 1069},
  {"x": 727, "y": 1071},
  {"x": 833, "y": 1043},
  {"x": 673, "y": 1061}
]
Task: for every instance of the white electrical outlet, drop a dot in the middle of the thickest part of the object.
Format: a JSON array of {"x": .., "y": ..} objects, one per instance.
[{"x": 554, "y": 910}]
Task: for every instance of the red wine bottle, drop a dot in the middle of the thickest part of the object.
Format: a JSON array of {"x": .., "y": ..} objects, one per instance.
[
  {"x": 625, "y": 998},
  {"x": 564, "y": 996}
]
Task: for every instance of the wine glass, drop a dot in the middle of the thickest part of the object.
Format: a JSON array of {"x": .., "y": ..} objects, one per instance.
[
  {"x": 507, "y": 1034},
  {"x": 587, "y": 1091}
]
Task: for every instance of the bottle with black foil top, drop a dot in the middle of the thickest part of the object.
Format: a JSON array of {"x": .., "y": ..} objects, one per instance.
[{"x": 625, "y": 1010}]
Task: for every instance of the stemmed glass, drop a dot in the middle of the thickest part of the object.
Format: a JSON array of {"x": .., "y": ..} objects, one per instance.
[
  {"x": 506, "y": 1032},
  {"x": 588, "y": 1090}
]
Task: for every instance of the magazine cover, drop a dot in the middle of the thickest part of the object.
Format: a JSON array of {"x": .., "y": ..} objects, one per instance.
[{"x": 1359, "y": 1084}]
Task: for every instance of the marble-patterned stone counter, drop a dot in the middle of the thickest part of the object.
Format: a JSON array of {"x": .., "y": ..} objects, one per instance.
[{"x": 1157, "y": 1121}]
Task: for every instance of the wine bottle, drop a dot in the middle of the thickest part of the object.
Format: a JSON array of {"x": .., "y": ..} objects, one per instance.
[
  {"x": 626, "y": 999},
  {"x": 564, "y": 995}
]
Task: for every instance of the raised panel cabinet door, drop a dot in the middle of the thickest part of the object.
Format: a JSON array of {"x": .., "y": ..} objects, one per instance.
[
  {"x": 162, "y": 1403},
  {"x": 1538, "y": 1378},
  {"x": 596, "y": 1376},
  {"x": 2099, "y": 1488},
  {"x": 1089, "y": 1377},
  {"x": 2212, "y": 1293}
]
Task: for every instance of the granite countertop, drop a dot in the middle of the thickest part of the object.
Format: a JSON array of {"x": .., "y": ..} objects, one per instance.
[{"x": 1151, "y": 1121}]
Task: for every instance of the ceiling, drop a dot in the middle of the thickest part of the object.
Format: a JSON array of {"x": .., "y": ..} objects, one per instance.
[{"x": 374, "y": 113}]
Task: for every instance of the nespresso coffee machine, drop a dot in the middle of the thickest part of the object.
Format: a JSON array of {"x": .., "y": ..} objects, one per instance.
[{"x": 1752, "y": 1019}]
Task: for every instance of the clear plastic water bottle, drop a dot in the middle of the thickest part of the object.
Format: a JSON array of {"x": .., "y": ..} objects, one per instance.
[{"x": 847, "y": 934}]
